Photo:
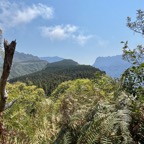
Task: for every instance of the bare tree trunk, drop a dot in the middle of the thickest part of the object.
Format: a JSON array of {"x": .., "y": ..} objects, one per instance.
[{"x": 9, "y": 52}]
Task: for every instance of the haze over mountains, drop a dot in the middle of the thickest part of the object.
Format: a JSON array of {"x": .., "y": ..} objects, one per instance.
[
  {"x": 24, "y": 64},
  {"x": 52, "y": 59},
  {"x": 114, "y": 66}
]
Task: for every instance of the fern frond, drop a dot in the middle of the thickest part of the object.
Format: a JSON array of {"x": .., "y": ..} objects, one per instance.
[
  {"x": 66, "y": 138},
  {"x": 107, "y": 126}
]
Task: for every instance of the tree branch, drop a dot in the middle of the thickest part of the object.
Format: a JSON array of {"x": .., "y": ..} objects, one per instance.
[{"x": 9, "y": 52}]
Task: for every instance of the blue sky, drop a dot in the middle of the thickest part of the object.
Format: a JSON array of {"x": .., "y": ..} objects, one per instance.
[{"x": 80, "y": 30}]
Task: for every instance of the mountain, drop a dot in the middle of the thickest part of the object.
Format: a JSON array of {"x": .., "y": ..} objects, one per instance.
[
  {"x": 114, "y": 66},
  {"x": 56, "y": 73},
  {"x": 26, "y": 67},
  {"x": 20, "y": 57},
  {"x": 52, "y": 59},
  {"x": 24, "y": 64},
  {"x": 62, "y": 63}
]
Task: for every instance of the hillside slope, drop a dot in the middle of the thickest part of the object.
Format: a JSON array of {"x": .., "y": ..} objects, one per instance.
[{"x": 25, "y": 64}]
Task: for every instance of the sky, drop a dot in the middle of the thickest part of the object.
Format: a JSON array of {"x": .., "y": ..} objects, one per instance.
[{"x": 81, "y": 30}]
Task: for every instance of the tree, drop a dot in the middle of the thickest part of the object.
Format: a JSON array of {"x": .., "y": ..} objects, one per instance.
[
  {"x": 133, "y": 78},
  {"x": 138, "y": 25},
  {"x": 9, "y": 52}
]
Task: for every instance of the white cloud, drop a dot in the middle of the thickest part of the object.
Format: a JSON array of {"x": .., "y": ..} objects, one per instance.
[
  {"x": 13, "y": 14},
  {"x": 61, "y": 32},
  {"x": 82, "y": 39},
  {"x": 58, "y": 32}
]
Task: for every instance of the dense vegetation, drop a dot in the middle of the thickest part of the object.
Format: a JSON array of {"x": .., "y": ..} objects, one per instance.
[
  {"x": 80, "y": 111},
  {"x": 55, "y": 73},
  {"x": 92, "y": 110}
]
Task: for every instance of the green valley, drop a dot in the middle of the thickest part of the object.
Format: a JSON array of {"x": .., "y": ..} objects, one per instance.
[{"x": 56, "y": 73}]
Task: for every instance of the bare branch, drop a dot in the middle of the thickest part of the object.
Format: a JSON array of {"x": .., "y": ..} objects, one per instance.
[{"x": 9, "y": 52}]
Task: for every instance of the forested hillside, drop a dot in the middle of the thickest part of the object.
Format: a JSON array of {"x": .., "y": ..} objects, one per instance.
[{"x": 55, "y": 73}]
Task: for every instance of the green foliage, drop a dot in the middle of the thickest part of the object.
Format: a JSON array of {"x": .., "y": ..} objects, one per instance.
[
  {"x": 133, "y": 79},
  {"x": 135, "y": 56},
  {"x": 96, "y": 110},
  {"x": 107, "y": 126},
  {"x": 101, "y": 114},
  {"x": 56, "y": 73},
  {"x": 22, "y": 117},
  {"x": 106, "y": 84},
  {"x": 81, "y": 111},
  {"x": 90, "y": 117}
]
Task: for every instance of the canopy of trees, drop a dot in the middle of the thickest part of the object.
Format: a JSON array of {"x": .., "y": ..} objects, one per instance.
[{"x": 56, "y": 73}]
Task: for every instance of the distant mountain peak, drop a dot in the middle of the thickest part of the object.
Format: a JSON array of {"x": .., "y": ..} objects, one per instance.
[
  {"x": 65, "y": 62},
  {"x": 114, "y": 66},
  {"x": 68, "y": 62}
]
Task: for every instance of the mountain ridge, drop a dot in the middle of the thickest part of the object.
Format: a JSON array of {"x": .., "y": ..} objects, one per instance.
[
  {"x": 24, "y": 64},
  {"x": 52, "y": 59},
  {"x": 114, "y": 66}
]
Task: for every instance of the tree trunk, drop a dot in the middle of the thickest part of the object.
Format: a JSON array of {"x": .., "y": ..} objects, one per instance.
[{"x": 9, "y": 52}]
